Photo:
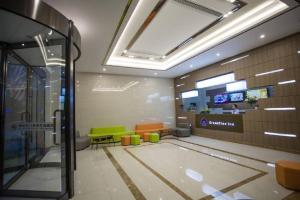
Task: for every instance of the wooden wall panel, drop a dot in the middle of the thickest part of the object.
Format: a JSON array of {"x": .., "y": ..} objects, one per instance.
[{"x": 276, "y": 55}]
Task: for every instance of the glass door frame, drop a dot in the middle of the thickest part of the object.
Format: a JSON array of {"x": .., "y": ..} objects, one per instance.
[{"x": 42, "y": 13}]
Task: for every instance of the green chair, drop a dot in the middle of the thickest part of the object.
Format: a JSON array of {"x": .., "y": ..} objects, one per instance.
[
  {"x": 154, "y": 137},
  {"x": 135, "y": 139}
]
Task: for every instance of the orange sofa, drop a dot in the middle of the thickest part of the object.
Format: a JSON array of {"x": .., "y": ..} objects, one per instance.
[{"x": 150, "y": 128}]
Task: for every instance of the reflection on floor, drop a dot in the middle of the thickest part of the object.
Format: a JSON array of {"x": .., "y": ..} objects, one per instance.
[
  {"x": 177, "y": 169},
  {"x": 44, "y": 178}
]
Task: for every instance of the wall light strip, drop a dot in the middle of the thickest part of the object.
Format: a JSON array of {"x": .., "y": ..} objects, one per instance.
[
  {"x": 280, "y": 134},
  {"x": 219, "y": 80},
  {"x": 270, "y": 72},
  {"x": 183, "y": 77},
  {"x": 182, "y": 117},
  {"x": 286, "y": 82},
  {"x": 233, "y": 60},
  {"x": 274, "y": 109},
  {"x": 179, "y": 85}
]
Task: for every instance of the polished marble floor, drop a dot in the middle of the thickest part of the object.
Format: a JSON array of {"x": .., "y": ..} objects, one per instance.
[
  {"x": 189, "y": 168},
  {"x": 44, "y": 178}
]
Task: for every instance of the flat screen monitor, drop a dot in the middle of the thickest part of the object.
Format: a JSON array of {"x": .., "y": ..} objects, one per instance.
[
  {"x": 221, "y": 98},
  {"x": 261, "y": 93},
  {"x": 237, "y": 97}
]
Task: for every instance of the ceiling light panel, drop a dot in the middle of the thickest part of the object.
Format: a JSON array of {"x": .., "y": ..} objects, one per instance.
[
  {"x": 157, "y": 39},
  {"x": 251, "y": 14}
]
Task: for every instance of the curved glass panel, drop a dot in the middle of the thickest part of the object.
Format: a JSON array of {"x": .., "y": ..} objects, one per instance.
[{"x": 33, "y": 156}]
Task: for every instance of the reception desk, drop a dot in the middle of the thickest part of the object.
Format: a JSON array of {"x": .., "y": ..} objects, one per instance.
[{"x": 223, "y": 122}]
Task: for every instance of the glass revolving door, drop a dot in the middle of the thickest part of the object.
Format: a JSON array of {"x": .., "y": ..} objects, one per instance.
[{"x": 36, "y": 150}]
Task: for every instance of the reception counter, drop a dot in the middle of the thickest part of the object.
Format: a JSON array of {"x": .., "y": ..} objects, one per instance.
[{"x": 223, "y": 122}]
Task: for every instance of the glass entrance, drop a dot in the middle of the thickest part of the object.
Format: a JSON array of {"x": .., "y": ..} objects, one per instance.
[{"x": 33, "y": 109}]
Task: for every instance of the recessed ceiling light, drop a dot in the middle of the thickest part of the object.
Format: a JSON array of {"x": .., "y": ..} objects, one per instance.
[
  {"x": 163, "y": 57},
  {"x": 262, "y": 36},
  {"x": 48, "y": 50},
  {"x": 218, "y": 54},
  {"x": 23, "y": 44},
  {"x": 298, "y": 51},
  {"x": 52, "y": 54},
  {"x": 50, "y": 32},
  {"x": 125, "y": 51},
  {"x": 191, "y": 66},
  {"x": 104, "y": 69}
]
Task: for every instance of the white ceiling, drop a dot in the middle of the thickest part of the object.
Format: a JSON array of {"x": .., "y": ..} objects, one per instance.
[
  {"x": 98, "y": 20},
  {"x": 190, "y": 22}
]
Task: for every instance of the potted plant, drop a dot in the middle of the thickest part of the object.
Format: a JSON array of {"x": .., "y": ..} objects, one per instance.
[{"x": 251, "y": 101}]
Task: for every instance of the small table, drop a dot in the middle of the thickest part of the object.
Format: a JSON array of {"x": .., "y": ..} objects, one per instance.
[{"x": 99, "y": 140}]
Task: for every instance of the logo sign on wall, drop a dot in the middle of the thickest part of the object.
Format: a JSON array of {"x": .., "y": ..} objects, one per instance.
[
  {"x": 30, "y": 126},
  {"x": 204, "y": 122},
  {"x": 232, "y": 123}
]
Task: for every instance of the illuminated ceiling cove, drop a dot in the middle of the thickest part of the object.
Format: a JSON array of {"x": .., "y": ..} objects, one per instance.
[{"x": 160, "y": 34}]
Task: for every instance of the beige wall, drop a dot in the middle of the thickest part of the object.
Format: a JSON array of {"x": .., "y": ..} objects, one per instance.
[{"x": 104, "y": 100}]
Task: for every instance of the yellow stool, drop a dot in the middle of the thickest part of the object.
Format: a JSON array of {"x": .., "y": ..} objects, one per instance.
[{"x": 288, "y": 174}]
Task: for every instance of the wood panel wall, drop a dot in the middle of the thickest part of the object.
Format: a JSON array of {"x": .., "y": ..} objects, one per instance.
[{"x": 278, "y": 54}]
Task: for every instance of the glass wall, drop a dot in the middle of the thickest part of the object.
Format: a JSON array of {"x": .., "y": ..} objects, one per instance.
[{"x": 33, "y": 109}]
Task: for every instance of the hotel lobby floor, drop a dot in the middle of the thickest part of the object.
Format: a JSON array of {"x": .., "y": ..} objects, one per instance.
[{"x": 177, "y": 169}]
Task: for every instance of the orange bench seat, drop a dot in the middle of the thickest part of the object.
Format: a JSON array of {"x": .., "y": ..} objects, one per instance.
[{"x": 150, "y": 128}]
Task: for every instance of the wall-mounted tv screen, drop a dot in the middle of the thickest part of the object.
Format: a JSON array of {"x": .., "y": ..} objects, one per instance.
[
  {"x": 236, "y": 97},
  {"x": 221, "y": 98},
  {"x": 261, "y": 93}
]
